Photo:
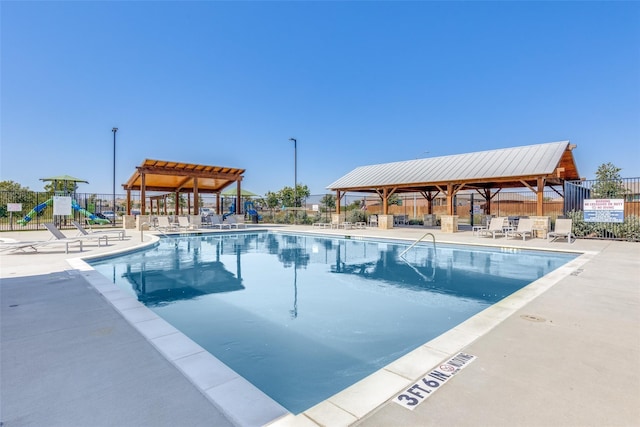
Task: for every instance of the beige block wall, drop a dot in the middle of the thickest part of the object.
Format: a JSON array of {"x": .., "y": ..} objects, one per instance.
[
  {"x": 541, "y": 226},
  {"x": 449, "y": 223},
  {"x": 385, "y": 222}
]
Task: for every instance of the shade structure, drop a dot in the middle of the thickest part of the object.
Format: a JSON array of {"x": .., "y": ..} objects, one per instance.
[
  {"x": 243, "y": 193},
  {"x": 64, "y": 178}
]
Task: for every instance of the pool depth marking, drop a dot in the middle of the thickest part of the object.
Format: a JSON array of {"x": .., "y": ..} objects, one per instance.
[{"x": 424, "y": 387}]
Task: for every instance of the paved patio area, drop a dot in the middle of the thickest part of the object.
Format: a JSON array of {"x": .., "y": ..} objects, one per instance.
[{"x": 565, "y": 354}]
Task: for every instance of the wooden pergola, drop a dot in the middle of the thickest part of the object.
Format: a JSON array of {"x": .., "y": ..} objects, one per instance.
[
  {"x": 181, "y": 178},
  {"x": 534, "y": 167}
]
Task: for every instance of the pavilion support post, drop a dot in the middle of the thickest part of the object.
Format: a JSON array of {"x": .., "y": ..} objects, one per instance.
[
  {"x": 487, "y": 198},
  {"x": 128, "y": 201},
  {"x": 385, "y": 201},
  {"x": 143, "y": 195},
  {"x": 540, "y": 205},
  {"x": 218, "y": 204},
  {"x": 238, "y": 198},
  {"x": 188, "y": 202},
  {"x": 450, "y": 195},
  {"x": 176, "y": 203},
  {"x": 196, "y": 197},
  {"x": 429, "y": 196},
  {"x": 338, "y": 201}
]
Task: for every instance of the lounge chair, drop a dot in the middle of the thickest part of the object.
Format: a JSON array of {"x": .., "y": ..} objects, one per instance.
[
  {"x": 195, "y": 221},
  {"x": 185, "y": 224},
  {"x": 12, "y": 245},
  {"x": 217, "y": 222},
  {"x": 232, "y": 220},
  {"x": 164, "y": 224},
  {"x": 321, "y": 224},
  {"x": 525, "y": 227},
  {"x": 563, "y": 230},
  {"x": 59, "y": 236},
  {"x": 84, "y": 232},
  {"x": 496, "y": 227}
]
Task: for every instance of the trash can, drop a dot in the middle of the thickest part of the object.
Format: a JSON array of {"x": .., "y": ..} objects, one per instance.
[{"x": 254, "y": 218}]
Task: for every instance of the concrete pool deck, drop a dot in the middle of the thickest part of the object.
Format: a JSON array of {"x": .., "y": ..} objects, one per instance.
[{"x": 563, "y": 352}]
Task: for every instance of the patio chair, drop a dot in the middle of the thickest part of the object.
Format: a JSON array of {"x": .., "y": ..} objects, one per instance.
[
  {"x": 562, "y": 230},
  {"x": 195, "y": 221},
  {"x": 164, "y": 224},
  {"x": 373, "y": 220},
  {"x": 496, "y": 227},
  {"x": 185, "y": 224},
  {"x": 217, "y": 222},
  {"x": 525, "y": 227},
  {"x": 232, "y": 220},
  {"x": 84, "y": 232}
]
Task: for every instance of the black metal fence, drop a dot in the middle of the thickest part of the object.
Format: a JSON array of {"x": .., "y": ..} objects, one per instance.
[
  {"x": 598, "y": 218},
  {"x": 469, "y": 206}
]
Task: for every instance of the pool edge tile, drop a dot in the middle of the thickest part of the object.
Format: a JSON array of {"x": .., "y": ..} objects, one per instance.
[
  {"x": 244, "y": 403},
  {"x": 369, "y": 393}
]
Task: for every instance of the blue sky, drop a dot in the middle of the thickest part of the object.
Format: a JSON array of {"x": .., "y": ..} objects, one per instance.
[{"x": 357, "y": 83}]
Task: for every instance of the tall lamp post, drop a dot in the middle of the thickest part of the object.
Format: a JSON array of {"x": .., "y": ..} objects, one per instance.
[
  {"x": 114, "y": 130},
  {"x": 295, "y": 177}
]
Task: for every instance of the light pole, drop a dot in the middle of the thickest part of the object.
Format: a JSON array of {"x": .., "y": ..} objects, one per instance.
[
  {"x": 114, "y": 130},
  {"x": 295, "y": 177}
]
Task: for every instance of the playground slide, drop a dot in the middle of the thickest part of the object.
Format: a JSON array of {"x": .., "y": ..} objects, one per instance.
[
  {"x": 35, "y": 211},
  {"x": 92, "y": 217},
  {"x": 74, "y": 205}
]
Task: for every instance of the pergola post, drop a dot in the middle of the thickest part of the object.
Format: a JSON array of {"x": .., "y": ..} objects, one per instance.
[
  {"x": 450, "y": 195},
  {"x": 338, "y": 202},
  {"x": 143, "y": 190},
  {"x": 196, "y": 197},
  {"x": 385, "y": 201},
  {"x": 238, "y": 198},
  {"x": 128, "y": 202},
  {"x": 540, "y": 205}
]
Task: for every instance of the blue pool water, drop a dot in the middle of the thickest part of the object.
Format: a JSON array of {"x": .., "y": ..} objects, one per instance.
[{"x": 303, "y": 317}]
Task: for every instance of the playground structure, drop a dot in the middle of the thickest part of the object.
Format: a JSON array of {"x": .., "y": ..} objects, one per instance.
[
  {"x": 66, "y": 191},
  {"x": 249, "y": 209}
]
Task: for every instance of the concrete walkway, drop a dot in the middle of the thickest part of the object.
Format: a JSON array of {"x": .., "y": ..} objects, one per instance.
[{"x": 569, "y": 357}]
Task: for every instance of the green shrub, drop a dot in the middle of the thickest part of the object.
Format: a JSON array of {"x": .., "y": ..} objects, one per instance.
[{"x": 628, "y": 230}]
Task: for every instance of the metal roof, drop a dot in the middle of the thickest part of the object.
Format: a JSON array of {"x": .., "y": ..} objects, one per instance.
[{"x": 515, "y": 164}]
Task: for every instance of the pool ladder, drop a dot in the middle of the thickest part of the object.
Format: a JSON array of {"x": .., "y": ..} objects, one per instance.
[
  {"x": 433, "y": 274},
  {"x": 418, "y": 241}
]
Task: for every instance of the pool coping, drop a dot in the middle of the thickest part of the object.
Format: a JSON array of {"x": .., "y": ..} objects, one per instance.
[{"x": 246, "y": 405}]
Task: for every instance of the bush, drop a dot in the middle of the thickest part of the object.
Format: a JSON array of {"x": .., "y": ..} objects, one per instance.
[
  {"x": 356, "y": 215},
  {"x": 628, "y": 230}
]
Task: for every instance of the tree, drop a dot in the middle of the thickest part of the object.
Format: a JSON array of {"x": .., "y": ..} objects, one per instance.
[
  {"x": 394, "y": 200},
  {"x": 286, "y": 196},
  {"x": 271, "y": 200},
  {"x": 609, "y": 184},
  {"x": 302, "y": 192},
  {"x": 70, "y": 189},
  {"x": 12, "y": 186},
  {"x": 12, "y": 192},
  {"x": 328, "y": 201}
]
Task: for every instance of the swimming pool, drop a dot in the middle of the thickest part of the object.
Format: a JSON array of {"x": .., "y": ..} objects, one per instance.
[{"x": 302, "y": 317}]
